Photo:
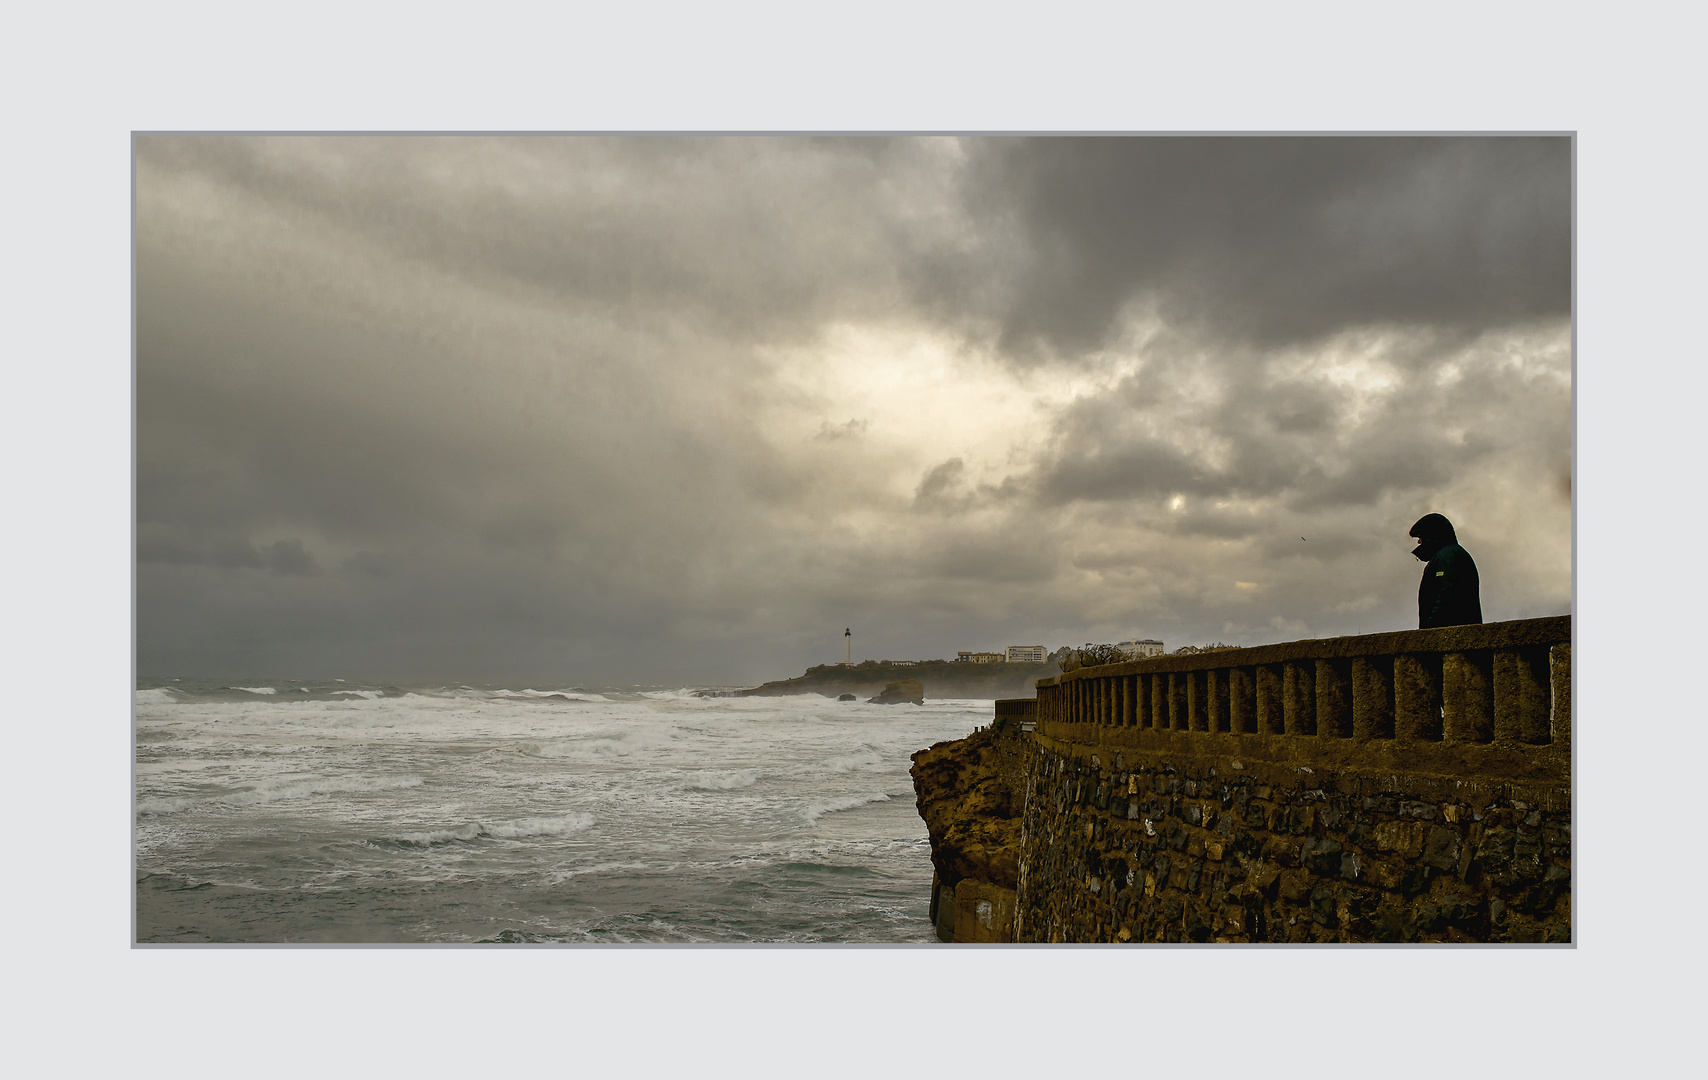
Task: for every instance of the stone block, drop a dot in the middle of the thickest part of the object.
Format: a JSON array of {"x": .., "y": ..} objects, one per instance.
[
  {"x": 1323, "y": 906},
  {"x": 1383, "y": 873},
  {"x": 1321, "y": 857},
  {"x": 1400, "y": 836}
]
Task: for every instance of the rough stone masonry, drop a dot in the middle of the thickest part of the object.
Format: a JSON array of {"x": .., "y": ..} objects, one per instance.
[
  {"x": 1195, "y": 850},
  {"x": 1089, "y": 829}
]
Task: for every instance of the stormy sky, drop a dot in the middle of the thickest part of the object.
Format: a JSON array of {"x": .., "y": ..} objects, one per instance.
[{"x": 678, "y": 410}]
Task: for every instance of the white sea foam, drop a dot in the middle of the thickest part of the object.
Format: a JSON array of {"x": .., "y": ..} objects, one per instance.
[
  {"x": 440, "y": 836},
  {"x": 268, "y": 791},
  {"x": 724, "y": 781},
  {"x": 255, "y": 689},
  {"x": 159, "y": 695},
  {"x": 819, "y": 808},
  {"x": 869, "y": 758},
  {"x": 562, "y": 695},
  {"x": 520, "y": 829},
  {"x": 371, "y": 695}
]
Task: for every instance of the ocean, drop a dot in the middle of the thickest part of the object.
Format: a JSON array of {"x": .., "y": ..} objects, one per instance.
[{"x": 283, "y": 811}]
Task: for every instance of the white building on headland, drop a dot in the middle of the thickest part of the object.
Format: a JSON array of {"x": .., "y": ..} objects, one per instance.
[
  {"x": 1139, "y": 648},
  {"x": 1026, "y": 654},
  {"x": 979, "y": 657}
]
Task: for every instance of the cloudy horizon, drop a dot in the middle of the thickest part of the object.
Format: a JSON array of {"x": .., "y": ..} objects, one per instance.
[{"x": 674, "y": 410}]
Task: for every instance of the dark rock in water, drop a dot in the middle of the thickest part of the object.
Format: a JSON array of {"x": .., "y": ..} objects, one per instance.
[
  {"x": 847, "y": 697},
  {"x": 900, "y": 691},
  {"x": 512, "y": 937}
]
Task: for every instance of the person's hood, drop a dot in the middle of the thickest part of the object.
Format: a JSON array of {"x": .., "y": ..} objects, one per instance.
[{"x": 1433, "y": 532}]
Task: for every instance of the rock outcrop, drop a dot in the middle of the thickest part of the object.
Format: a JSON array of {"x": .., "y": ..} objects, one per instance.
[
  {"x": 964, "y": 793},
  {"x": 899, "y": 692}
]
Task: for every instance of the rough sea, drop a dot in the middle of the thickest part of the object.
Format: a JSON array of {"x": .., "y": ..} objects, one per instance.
[{"x": 283, "y": 811}]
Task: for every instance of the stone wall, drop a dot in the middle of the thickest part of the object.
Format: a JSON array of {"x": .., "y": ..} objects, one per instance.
[
  {"x": 1168, "y": 847},
  {"x": 1408, "y": 787}
]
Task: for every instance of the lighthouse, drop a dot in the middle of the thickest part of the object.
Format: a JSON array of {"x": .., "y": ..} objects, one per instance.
[{"x": 848, "y": 647}]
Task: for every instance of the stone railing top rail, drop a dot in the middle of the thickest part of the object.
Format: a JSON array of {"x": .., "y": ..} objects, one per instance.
[{"x": 1513, "y": 634}]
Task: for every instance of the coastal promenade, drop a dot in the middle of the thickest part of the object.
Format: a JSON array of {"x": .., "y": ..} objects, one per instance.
[{"x": 1410, "y": 786}]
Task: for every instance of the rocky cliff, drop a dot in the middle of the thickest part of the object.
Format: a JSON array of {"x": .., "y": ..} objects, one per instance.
[{"x": 968, "y": 793}]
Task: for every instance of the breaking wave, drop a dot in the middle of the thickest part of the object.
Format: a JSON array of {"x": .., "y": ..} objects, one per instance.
[
  {"x": 520, "y": 829},
  {"x": 541, "y": 695},
  {"x": 160, "y": 695},
  {"x": 868, "y": 758},
  {"x": 816, "y": 810}
]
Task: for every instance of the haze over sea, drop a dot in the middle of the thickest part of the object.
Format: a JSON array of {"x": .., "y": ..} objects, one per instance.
[{"x": 283, "y": 811}]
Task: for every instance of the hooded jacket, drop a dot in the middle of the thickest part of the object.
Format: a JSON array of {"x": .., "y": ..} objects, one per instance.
[{"x": 1450, "y": 594}]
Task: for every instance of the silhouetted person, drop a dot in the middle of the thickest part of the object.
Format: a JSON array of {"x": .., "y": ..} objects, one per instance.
[{"x": 1448, "y": 595}]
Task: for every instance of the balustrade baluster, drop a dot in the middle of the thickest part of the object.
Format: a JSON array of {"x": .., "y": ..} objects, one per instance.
[
  {"x": 1242, "y": 700},
  {"x": 1373, "y": 697},
  {"x": 1299, "y": 697},
  {"x": 1521, "y": 694},
  {"x": 1467, "y": 681},
  {"x": 1334, "y": 698},
  {"x": 1417, "y": 697},
  {"x": 1217, "y": 679},
  {"x": 1270, "y": 715},
  {"x": 1560, "y": 672}
]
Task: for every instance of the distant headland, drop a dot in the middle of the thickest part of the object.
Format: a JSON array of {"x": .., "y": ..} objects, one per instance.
[{"x": 942, "y": 679}]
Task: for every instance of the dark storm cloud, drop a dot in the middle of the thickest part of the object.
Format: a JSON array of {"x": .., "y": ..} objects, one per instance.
[
  {"x": 485, "y": 407},
  {"x": 1273, "y": 240},
  {"x": 751, "y": 236}
]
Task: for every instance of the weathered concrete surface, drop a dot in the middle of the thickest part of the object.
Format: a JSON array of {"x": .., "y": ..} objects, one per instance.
[{"x": 900, "y": 692}]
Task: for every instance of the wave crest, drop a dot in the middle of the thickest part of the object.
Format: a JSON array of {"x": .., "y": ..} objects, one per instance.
[
  {"x": 541, "y": 695},
  {"x": 816, "y": 810},
  {"x": 519, "y": 829}
]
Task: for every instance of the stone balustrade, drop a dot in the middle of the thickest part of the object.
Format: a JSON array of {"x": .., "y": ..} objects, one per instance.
[{"x": 1500, "y": 686}]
